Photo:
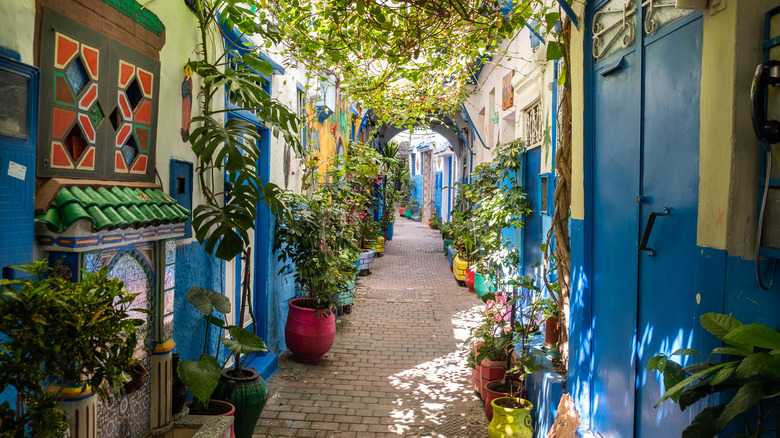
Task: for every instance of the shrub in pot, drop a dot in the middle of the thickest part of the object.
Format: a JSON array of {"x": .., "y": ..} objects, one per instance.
[
  {"x": 67, "y": 334},
  {"x": 311, "y": 235}
]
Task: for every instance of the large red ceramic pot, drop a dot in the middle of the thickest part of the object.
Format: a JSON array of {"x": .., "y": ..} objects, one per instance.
[{"x": 309, "y": 333}]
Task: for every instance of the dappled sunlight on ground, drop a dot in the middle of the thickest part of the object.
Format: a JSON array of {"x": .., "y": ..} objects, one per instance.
[{"x": 398, "y": 366}]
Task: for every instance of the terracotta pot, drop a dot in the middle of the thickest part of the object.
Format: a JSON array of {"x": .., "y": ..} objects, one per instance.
[
  {"x": 221, "y": 409},
  {"x": 486, "y": 372},
  {"x": 552, "y": 331},
  {"x": 309, "y": 333},
  {"x": 138, "y": 374},
  {"x": 492, "y": 393},
  {"x": 470, "y": 279}
]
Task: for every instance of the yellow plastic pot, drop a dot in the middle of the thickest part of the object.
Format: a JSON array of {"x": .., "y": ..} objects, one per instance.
[
  {"x": 459, "y": 268},
  {"x": 509, "y": 422},
  {"x": 379, "y": 244}
]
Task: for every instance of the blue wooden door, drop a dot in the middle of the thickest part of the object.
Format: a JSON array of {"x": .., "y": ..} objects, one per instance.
[
  {"x": 670, "y": 175},
  {"x": 645, "y": 106}
]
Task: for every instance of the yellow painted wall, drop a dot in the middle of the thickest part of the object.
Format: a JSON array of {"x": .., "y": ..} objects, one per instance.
[
  {"x": 716, "y": 127},
  {"x": 578, "y": 116}
]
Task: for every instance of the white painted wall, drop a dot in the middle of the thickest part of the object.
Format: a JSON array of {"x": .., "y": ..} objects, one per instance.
[{"x": 17, "y": 28}]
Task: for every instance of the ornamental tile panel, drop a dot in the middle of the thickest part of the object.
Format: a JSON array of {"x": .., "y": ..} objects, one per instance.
[{"x": 65, "y": 49}]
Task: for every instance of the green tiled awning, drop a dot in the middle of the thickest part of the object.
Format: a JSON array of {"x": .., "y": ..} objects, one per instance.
[{"x": 109, "y": 208}]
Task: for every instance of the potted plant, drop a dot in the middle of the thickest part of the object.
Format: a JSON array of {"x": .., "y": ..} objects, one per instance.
[
  {"x": 310, "y": 235},
  {"x": 61, "y": 336},
  {"x": 512, "y": 418},
  {"x": 491, "y": 348},
  {"x": 208, "y": 378},
  {"x": 224, "y": 220},
  {"x": 747, "y": 378}
]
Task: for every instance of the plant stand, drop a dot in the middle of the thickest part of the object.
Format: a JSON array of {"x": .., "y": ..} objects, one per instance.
[{"x": 366, "y": 262}]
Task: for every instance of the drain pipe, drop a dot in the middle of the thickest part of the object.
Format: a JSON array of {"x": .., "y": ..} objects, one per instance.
[
  {"x": 471, "y": 158},
  {"x": 473, "y": 128}
]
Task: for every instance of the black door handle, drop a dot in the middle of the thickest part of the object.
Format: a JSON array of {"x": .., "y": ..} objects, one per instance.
[{"x": 649, "y": 229}]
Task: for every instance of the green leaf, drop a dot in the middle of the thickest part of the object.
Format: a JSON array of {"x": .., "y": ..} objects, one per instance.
[
  {"x": 554, "y": 51},
  {"x": 550, "y": 20},
  {"x": 719, "y": 324},
  {"x": 723, "y": 374},
  {"x": 677, "y": 389},
  {"x": 673, "y": 374},
  {"x": 732, "y": 351},
  {"x": 704, "y": 425},
  {"x": 759, "y": 364},
  {"x": 747, "y": 397},
  {"x": 694, "y": 393},
  {"x": 685, "y": 352},
  {"x": 755, "y": 335},
  {"x": 244, "y": 341},
  {"x": 205, "y": 300},
  {"x": 657, "y": 362},
  {"x": 201, "y": 377}
]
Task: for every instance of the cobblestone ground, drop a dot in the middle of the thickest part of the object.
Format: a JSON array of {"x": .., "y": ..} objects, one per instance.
[{"x": 398, "y": 365}]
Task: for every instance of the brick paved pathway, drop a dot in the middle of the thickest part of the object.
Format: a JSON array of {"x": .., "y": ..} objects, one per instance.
[{"x": 398, "y": 365}]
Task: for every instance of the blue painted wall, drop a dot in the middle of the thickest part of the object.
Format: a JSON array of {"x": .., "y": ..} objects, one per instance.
[
  {"x": 437, "y": 193},
  {"x": 194, "y": 267},
  {"x": 282, "y": 291},
  {"x": 417, "y": 193}
]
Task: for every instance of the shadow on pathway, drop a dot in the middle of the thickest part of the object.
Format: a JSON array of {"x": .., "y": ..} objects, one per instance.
[{"x": 398, "y": 365}]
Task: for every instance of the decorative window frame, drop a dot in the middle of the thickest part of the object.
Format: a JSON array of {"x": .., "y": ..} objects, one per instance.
[{"x": 533, "y": 124}]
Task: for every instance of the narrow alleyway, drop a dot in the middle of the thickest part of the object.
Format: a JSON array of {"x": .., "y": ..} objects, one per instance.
[{"x": 398, "y": 365}]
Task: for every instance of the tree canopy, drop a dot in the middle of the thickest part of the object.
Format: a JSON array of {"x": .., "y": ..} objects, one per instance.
[{"x": 404, "y": 59}]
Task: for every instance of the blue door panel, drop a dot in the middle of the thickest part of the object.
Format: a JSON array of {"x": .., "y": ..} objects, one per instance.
[
  {"x": 615, "y": 217},
  {"x": 668, "y": 313},
  {"x": 532, "y": 253}
]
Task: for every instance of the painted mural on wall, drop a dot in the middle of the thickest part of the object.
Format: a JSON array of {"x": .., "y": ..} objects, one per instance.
[
  {"x": 326, "y": 136},
  {"x": 507, "y": 91}
]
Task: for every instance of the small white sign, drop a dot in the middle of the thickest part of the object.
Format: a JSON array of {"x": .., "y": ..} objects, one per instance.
[{"x": 16, "y": 170}]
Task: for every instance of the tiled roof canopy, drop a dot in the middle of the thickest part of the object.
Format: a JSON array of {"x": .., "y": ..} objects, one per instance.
[{"x": 109, "y": 208}]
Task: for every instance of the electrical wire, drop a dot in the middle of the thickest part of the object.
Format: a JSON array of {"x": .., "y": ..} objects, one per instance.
[{"x": 767, "y": 176}]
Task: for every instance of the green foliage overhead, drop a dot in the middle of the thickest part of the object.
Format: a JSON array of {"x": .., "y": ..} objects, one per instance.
[
  {"x": 404, "y": 59},
  {"x": 223, "y": 223}
]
